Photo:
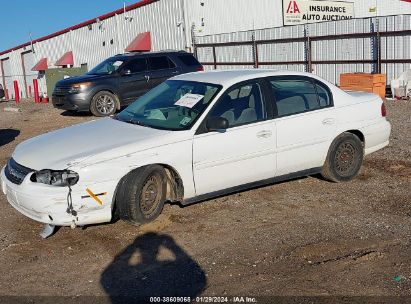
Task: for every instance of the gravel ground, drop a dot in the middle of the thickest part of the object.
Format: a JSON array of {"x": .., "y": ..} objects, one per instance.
[{"x": 305, "y": 237}]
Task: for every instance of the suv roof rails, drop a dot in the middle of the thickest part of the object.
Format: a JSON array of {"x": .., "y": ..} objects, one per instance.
[{"x": 153, "y": 52}]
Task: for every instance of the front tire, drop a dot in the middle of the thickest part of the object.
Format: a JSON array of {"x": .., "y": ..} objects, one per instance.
[
  {"x": 103, "y": 104},
  {"x": 142, "y": 194},
  {"x": 344, "y": 159}
]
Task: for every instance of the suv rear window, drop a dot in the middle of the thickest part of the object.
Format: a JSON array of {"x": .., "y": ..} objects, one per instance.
[
  {"x": 161, "y": 63},
  {"x": 189, "y": 60}
]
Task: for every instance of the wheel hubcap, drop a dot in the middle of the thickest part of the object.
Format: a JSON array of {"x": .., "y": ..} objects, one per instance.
[
  {"x": 150, "y": 195},
  {"x": 105, "y": 104},
  {"x": 345, "y": 158}
]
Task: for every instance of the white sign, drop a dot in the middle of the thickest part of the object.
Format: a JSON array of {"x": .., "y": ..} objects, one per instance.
[
  {"x": 117, "y": 63},
  {"x": 189, "y": 100},
  {"x": 309, "y": 11}
]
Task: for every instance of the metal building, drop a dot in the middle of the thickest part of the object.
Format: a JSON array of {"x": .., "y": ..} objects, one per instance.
[{"x": 171, "y": 24}]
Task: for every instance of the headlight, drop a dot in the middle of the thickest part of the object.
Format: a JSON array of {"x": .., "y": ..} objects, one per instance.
[
  {"x": 76, "y": 88},
  {"x": 55, "y": 178}
]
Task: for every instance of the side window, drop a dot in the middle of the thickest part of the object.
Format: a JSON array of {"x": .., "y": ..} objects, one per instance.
[
  {"x": 171, "y": 64},
  {"x": 137, "y": 65},
  {"x": 324, "y": 96},
  {"x": 241, "y": 105},
  {"x": 294, "y": 96},
  {"x": 160, "y": 63},
  {"x": 189, "y": 60}
]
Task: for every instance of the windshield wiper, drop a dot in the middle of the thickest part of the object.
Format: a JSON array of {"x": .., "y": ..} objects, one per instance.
[
  {"x": 138, "y": 122},
  {"x": 134, "y": 121}
]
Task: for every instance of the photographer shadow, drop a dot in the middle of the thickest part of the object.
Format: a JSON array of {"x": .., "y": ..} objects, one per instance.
[
  {"x": 152, "y": 266},
  {"x": 8, "y": 135}
]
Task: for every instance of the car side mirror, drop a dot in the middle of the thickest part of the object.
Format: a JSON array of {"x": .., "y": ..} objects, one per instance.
[{"x": 217, "y": 124}]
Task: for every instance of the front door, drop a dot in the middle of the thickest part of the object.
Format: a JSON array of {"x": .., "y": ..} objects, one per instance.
[{"x": 243, "y": 153}]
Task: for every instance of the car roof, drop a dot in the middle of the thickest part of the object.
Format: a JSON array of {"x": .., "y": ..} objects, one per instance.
[
  {"x": 137, "y": 54},
  {"x": 230, "y": 77}
]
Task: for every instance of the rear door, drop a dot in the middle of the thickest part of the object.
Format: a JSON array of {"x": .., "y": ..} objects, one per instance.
[
  {"x": 305, "y": 122},
  {"x": 161, "y": 68},
  {"x": 243, "y": 153},
  {"x": 134, "y": 83}
]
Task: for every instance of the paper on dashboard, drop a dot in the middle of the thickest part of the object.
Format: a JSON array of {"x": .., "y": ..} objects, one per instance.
[{"x": 189, "y": 100}]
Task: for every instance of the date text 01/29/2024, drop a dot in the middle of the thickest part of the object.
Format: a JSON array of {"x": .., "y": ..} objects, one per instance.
[{"x": 205, "y": 299}]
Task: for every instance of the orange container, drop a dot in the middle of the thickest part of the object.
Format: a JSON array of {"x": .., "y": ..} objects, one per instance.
[{"x": 371, "y": 83}]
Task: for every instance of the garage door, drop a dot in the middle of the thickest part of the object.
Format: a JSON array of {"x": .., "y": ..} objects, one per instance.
[
  {"x": 28, "y": 60},
  {"x": 8, "y": 80}
]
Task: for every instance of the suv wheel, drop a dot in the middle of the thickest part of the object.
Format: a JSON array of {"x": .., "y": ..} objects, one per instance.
[{"x": 103, "y": 104}]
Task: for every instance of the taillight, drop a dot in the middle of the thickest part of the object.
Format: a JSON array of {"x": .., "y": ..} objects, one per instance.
[
  {"x": 383, "y": 110},
  {"x": 200, "y": 68}
]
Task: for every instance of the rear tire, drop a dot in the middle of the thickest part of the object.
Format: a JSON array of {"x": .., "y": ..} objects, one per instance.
[
  {"x": 103, "y": 104},
  {"x": 141, "y": 195},
  {"x": 344, "y": 159}
]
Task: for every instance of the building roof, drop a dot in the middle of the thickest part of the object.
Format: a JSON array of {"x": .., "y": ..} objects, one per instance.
[{"x": 83, "y": 24}]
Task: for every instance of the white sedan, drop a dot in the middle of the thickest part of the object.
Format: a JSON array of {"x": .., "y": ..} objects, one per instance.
[{"x": 194, "y": 137}]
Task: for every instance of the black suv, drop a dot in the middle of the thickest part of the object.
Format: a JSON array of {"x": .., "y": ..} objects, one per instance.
[{"x": 119, "y": 80}]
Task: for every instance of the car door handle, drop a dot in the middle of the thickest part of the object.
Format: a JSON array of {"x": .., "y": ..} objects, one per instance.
[
  {"x": 264, "y": 134},
  {"x": 329, "y": 121},
  {"x": 147, "y": 78},
  {"x": 174, "y": 72}
]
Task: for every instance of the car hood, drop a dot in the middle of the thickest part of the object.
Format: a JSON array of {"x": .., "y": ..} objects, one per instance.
[
  {"x": 63, "y": 148},
  {"x": 79, "y": 79}
]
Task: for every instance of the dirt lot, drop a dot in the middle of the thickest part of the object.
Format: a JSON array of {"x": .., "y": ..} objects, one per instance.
[{"x": 306, "y": 237}]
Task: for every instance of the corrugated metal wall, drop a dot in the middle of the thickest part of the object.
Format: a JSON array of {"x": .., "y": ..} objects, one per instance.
[
  {"x": 7, "y": 75},
  {"x": 91, "y": 45},
  {"x": 29, "y": 63},
  {"x": 398, "y": 47},
  {"x": 224, "y": 16},
  {"x": 170, "y": 21},
  {"x": 219, "y": 16}
]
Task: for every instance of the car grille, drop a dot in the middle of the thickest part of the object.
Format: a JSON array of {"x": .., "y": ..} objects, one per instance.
[
  {"x": 61, "y": 90},
  {"x": 15, "y": 172}
]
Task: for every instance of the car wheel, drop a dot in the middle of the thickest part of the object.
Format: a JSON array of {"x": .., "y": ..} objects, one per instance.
[
  {"x": 344, "y": 159},
  {"x": 141, "y": 195},
  {"x": 103, "y": 104}
]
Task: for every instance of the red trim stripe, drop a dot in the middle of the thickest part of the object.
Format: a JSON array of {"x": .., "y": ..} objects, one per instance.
[{"x": 88, "y": 22}]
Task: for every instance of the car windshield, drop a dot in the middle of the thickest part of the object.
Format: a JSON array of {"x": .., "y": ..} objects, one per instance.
[
  {"x": 173, "y": 105},
  {"x": 107, "y": 67}
]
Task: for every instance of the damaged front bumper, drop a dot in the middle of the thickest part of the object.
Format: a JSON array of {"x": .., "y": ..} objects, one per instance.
[{"x": 48, "y": 204}]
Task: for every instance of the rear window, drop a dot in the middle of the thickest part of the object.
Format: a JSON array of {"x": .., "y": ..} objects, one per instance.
[
  {"x": 161, "y": 63},
  {"x": 189, "y": 60},
  {"x": 294, "y": 96}
]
